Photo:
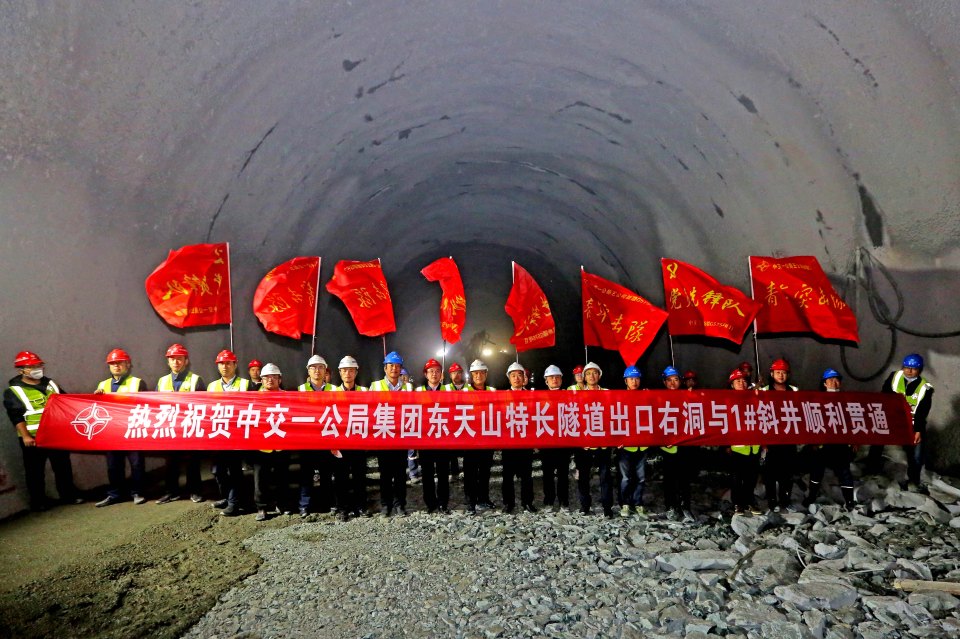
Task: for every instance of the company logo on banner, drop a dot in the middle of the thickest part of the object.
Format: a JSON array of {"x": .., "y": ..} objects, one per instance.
[{"x": 499, "y": 419}]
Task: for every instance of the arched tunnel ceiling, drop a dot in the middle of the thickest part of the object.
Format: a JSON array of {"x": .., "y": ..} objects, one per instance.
[{"x": 559, "y": 134}]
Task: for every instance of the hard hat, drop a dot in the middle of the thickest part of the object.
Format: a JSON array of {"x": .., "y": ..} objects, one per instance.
[
  {"x": 831, "y": 374},
  {"x": 26, "y": 358},
  {"x": 592, "y": 366},
  {"x": 270, "y": 369},
  {"x": 913, "y": 361},
  {"x": 780, "y": 365},
  {"x": 670, "y": 371},
  {"x": 578, "y": 370},
  {"x": 226, "y": 356},
  {"x": 737, "y": 373},
  {"x": 393, "y": 357},
  {"x": 315, "y": 360},
  {"x": 478, "y": 365},
  {"x": 690, "y": 375},
  {"x": 552, "y": 370},
  {"x": 516, "y": 366},
  {"x": 454, "y": 368},
  {"x": 177, "y": 350},
  {"x": 117, "y": 355},
  {"x": 431, "y": 363},
  {"x": 631, "y": 372},
  {"x": 348, "y": 362},
  {"x": 404, "y": 371},
  {"x": 745, "y": 366},
  {"x": 255, "y": 362}
]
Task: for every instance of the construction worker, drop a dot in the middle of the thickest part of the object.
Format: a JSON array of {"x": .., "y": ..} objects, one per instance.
[
  {"x": 587, "y": 459},
  {"x": 435, "y": 463},
  {"x": 457, "y": 383},
  {"x": 316, "y": 464},
  {"x": 24, "y": 399},
  {"x": 555, "y": 461},
  {"x": 228, "y": 464},
  {"x": 909, "y": 382},
  {"x": 517, "y": 462},
  {"x": 747, "y": 369},
  {"x": 837, "y": 457},
  {"x": 778, "y": 462},
  {"x": 632, "y": 462},
  {"x": 121, "y": 381},
  {"x": 677, "y": 462},
  {"x": 477, "y": 462},
  {"x": 253, "y": 369},
  {"x": 181, "y": 380},
  {"x": 745, "y": 460},
  {"x": 271, "y": 468},
  {"x": 350, "y": 468},
  {"x": 690, "y": 380},
  {"x": 578, "y": 379},
  {"x": 392, "y": 463}
]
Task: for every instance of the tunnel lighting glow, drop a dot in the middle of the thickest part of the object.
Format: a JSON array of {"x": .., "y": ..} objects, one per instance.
[{"x": 487, "y": 352}]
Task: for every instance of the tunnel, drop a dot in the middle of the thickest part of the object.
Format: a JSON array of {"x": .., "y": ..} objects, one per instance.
[{"x": 561, "y": 135}]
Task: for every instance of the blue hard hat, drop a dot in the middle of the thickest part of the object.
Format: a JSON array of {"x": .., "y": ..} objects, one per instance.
[
  {"x": 670, "y": 371},
  {"x": 831, "y": 374},
  {"x": 632, "y": 371},
  {"x": 913, "y": 361},
  {"x": 393, "y": 357},
  {"x": 404, "y": 371}
]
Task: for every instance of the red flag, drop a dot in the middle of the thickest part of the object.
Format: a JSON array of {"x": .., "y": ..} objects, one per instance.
[
  {"x": 362, "y": 287},
  {"x": 285, "y": 301},
  {"x": 453, "y": 303},
  {"x": 192, "y": 286},
  {"x": 618, "y": 319},
  {"x": 797, "y": 297},
  {"x": 533, "y": 325},
  {"x": 700, "y": 305}
]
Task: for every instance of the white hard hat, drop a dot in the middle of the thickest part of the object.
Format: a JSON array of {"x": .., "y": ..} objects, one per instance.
[
  {"x": 516, "y": 366},
  {"x": 585, "y": 368},
  {"x": 478, "y": 365},
  {"x": 270, "y": 369},
  {"x": 314, "y": 361},
  {"x": 348, "y": 362},
  {"x": 552, "y": 370}
]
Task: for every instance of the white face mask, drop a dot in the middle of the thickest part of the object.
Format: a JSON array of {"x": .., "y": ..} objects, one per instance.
[
  {"x": 833, "y": 390},
  {"x": 36, "y": 373}
]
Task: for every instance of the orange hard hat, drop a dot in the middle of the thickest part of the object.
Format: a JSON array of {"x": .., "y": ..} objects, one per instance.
[
  {"x": 226, "y": 356},
  {"x": 117, "y": 355},
  {"x": 26, "y": 358},
  {"x": 177, "y": 350}
]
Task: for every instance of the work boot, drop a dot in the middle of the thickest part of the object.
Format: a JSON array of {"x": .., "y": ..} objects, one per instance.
[{"x": 109, "y": 501}]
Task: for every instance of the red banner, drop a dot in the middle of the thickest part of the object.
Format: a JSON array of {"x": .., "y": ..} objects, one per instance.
[
  {"x": 468, "y": 420},
  {"x": 453, "y": 303},
  {"x": 618, "y": 319},
  {"x": 362, "y": 287},
  {"x": 700, "y": 305},
  {"x": 533, "y": 325},
  {"x": 285, "y": 301},
  {"x": 797, "y": 297},
  {"x": 192, "y": 286}
]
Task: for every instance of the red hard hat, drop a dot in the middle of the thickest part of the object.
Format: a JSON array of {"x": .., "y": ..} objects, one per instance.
[
  {"x": 780, "y": 365},
  {"x": 578, "y": 370},
  {"x": 117, "y": 355},
  {"x": 454, "y": 368},
  {"x": 736, "y": 374},
  {"x": 255, "y": 362},
  {"x": 226, "y": 356},
  {"x": 26, "y": 358},
  {"x": 177, "y": 350},
  {"x": 746, "y": 366},
  {"x": 690, "y": 375},
  {"x": 431, "y": 363}
]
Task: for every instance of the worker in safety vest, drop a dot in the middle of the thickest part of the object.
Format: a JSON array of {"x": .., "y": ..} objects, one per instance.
[
  {"x": 350, "y": 469},
  {"x": 517, "y": 462},
  {"x": 271, "y": 468},
  {"x": 632, "y": 462},
  {"x": 586, "y": 459},
  {"x": 457, "y": 383},
  {"x": 477, "y": 463},
  {"x": 181, "y": 380},
  {"x": 435, "y": 463},
  {"x": 909, "y": 382},
  {"x": 779, "y": 461},
  {"x": 678, "y": 465},
  {"x": 392, "y": 463},
  {"x": 253, "y": 369},
  {"x": 316, "y": 464},
  {"x": 121, "y": 381},
  {"x": 836, "y": 457},
  {"x": 744, "y": 460},
  {"x": 747, "y": 369},
  {"x": 24, "y": 401},
  {"x": 555, "y": 461},
  {"x": 578, "y": 379},
  {"x": 228, "y": 464}
]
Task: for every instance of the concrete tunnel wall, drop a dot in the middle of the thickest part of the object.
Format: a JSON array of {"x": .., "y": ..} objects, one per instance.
[{"x": 556, "y": 134}]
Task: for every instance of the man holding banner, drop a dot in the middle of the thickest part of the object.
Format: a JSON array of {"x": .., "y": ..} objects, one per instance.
[{"x": 392, "y": 463}]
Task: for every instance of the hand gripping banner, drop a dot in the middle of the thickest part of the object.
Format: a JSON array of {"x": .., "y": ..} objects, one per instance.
[{"x": 468, "y": 420}]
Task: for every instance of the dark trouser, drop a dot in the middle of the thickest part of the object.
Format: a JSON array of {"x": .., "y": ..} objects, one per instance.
[
  {"x": 413, "y": 463},
  {"x": 633, "y": 476},
  {"x": 228, "y": 471},
  {"x": 393, "y": 478},
  {"x": 586, "y": 460},
  {"x": 320, "y": 497},
  {"x": 455, "y": 464},
  {"x": 777, "y": 474},
  {"x": 837, "y": 458},
  {"x": 745, "y": 470},
  {"x": 677, "y": 472},
  {"x": 117, "y": 470},
  {"x": 35, "y": 465},
  {"x": 271, "y": 479},
  {"x": 915, "y": 460},
  {"x": 436, "y": 491},
  {"x": 350, "y": 481},
  {"x": 556, "y": 475},
  {"x": 476, "y": 476},
  {"x": 517, "y": 462},
  {"x": 172, "y": 474}
]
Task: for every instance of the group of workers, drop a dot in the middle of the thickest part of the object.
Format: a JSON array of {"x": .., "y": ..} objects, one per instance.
[{"x": 337, "y": 480}]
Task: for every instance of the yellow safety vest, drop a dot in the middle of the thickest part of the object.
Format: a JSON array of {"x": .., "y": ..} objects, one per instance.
[
  {"x": 384, "y": 385},
  {"x": 307, "y": 387},
  {"x": 745, "y": 450},
  {"x": 165, "y": 383},
  {"x": 452, "y": 387},
  {"x": 34, "y": 400},
  {"x": 899, "y": 384},
  {"x": 129, "y": 385},
  {"x": 218, "y": 386},
  {"x": 356, "y": 388}
]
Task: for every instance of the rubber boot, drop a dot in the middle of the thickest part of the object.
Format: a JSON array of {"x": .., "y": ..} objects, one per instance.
[{"x": 848, "y": 499}]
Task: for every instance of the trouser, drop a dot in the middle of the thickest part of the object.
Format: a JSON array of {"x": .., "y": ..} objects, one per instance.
[
  {"x": 271, "y": 479},
  {"x": 172, "y": 474},
  {"x": 321, "y": 496},
  {"x": 586, "y": 460},
  {"x": 35, "y": 466},
  {"x": 915, "y": 460},
  {"x": 633, "y": 476},
  {"x": 745, "y": 470},
  {"x": 517, "y": 462},
  {"x": 413, "y": 464},
  {"x": 476, "y": 476},
  {"x": 676, "y": 479},
  {"x": 350, "y": 481},
  {"x": 556, "y": 476},
  {"x": 435, "y": 465},
  {"x": 837, "y": 458},
  {"x": 777, "y": 472},
  {"x": 454, "y": 465},
  {"x": 393, "y": 478},
  {"x": 117, "y": 470},
  {"x": 228, "y": 471}
]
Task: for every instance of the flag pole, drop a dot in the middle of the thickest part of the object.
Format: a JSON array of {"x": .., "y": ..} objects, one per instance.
[
  {"x": 316, "y": 310},
  {"x": 756, "y": 343},
  {"x": 586, "y": 357},
  {"x": 384, "y": 338},
  {"x": 513, "y": 280},
  {"x": 673, "y": 361},
  {"x": 230, "y": 286}
]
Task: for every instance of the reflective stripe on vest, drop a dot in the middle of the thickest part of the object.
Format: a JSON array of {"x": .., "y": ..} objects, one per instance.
[
  {"x": 899, "y": 384},
  {"x": 165, "y": 384},
  {"x": 453, "y": 387},
  {"x": 384, "y": 385},
  {"x": 745, "y": 450},
  {"x": 307, "y": 387},
  {"x": 218, "y": 387},
  {"x": 129, "y": 385},
  {"x": 34, "y": 400}
]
